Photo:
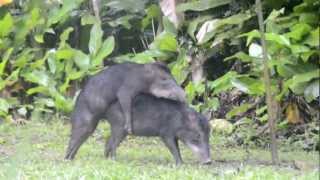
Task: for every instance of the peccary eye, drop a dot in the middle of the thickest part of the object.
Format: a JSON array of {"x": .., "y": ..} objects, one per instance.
[
  {"x": 163, "y": 78},
  {"x": 195, "y": 141}
]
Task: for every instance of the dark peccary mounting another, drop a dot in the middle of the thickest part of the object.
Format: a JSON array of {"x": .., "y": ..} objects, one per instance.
[{"x": 121, "y": 82}]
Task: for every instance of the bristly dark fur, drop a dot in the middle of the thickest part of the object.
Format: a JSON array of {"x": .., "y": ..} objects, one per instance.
[{"x": 162, "y": 66}]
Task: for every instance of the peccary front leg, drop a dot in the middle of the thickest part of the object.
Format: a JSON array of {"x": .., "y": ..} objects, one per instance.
[{"x": 172, "y": 144}]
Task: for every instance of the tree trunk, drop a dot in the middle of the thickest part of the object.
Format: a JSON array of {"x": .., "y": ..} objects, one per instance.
[{"x": 271, "y": 104}]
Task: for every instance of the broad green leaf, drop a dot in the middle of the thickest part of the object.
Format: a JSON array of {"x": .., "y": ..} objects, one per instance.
[
  {"x": 105, "y": 50},
  {"x": 297, "y": 49},
  {"x": 213, "y": 103},
  {"x": 307, "y": 76},
  {"x": 65, "y": 53},
  {"x": 201, "y": 5},
  {"x": 25, "y": 24},
  {"x": 65, "y": 36},
  {"x": 74, "y": 75},
  {"x": 306, "y": 55},
  {"x": 38, "y": 77},
  {"x": 298, "y": 31},
  {"x": 180, "y": 67},
  {"x": 142, "y": 58},
  {"x": 301, "y": 8},
  {"x": 13, "y": 77},
  {"x": 240, "y": 55},
  {"x": 58, "y": 14},
  {"x": 63, "y": 88},
  {"x": 248, "y": 85},
  {"x": 165, "y": 42},
  {"x": 223, "y": 83},
  {"x": 238, "y": 110},
  {"x": 82, "y": 60},
  {"x": 192, "y": 27},
  {"x": 128, "y": 5},
  {"x": 280, "y": 39},
  {"x": 4, "y": 106},
  {"x": 274, "y": 14},
  {"x": 298, "y": 88},
  {"x": 147, "y": 56},
  {"x": 10, "y": 80},
  {"x": 299, "y": 82},
  {"x": 169, "y": 26},
  {"x": 95, "y": 39},
  {"x": 250, "y": 36},
  {"x": 49, "y": 30},
  {"x": 312, "y": 90},
  {"x": 313, "y": 38},
  {"x": 39, "y": 89},
  {"x": 6, "y": 25},
  {"x": 44, "y": 102},
  {"x": 23, "y": 58},
  {"x": 4, "y": 60},
  {"x": 310, "y": 18},
  {"x": 261, "y": 110},
  {"x": 192, "y": 89},
  {"x": 122, "y": 21},
  {"x": 286, "y": 70},
  {"x": 209, "y": 29},
  {"x": 39, "y": 38},
  {"x": 38, "y": 63},
  {"x": 62, "y": 103},
  {"x": 225, "y": 35},
  {"x": 264, "y": 118},
  {"x": 153, "y": 12},
  {"x": 52, "y": 61},
  {"x": 88, "y": 19}
]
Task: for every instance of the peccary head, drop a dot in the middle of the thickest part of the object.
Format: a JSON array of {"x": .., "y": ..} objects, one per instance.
[{"x": 195, "y": 134}]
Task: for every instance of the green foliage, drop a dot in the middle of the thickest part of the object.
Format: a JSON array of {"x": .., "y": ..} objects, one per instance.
[
  {"x": 238, "y": 110},
  {"x": 46, "y": 75},
  {"x": 6, "y": 25},
  {"x": 292, "y": 49},
  {"x": 213, "y": 27},
  {"x": 193, "y": 90},
  {"x": 165, "y": 42},
  {"x": 223, "y": 83},
  {"x": 201, "y": 5}
]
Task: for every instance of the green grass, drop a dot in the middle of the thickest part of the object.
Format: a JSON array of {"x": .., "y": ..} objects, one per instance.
[{"x": 36, "y": 150}]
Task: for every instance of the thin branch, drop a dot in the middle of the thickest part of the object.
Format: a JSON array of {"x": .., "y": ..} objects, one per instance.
[
  {"x": 266, "y": 76},
  {"x": 143, "y": 43},
  {"x": 96, "y": 5},
  {"x": 153, "y": 29}
]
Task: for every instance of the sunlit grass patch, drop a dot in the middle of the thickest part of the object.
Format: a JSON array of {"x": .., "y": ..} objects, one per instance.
[{"x": 36, "y": 151}]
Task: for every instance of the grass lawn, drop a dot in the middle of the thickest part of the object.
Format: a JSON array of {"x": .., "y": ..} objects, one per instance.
[{"x": 36, "y": 151}]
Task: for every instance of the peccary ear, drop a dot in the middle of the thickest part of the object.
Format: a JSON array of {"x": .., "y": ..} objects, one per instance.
[
  {"x": 192, "y": 117},
  {"x": 154, "y": 67},
  {"x": 161, "y": 65},
  {"x": 207, "y": 114}
]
